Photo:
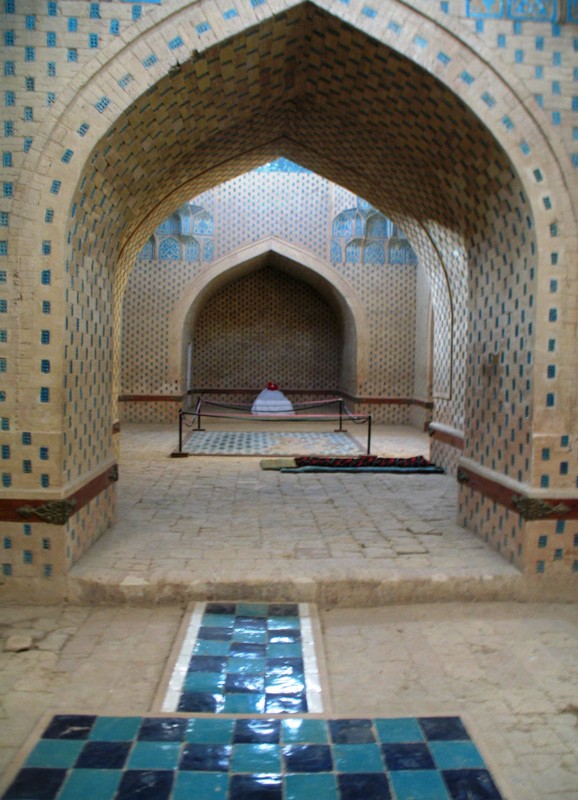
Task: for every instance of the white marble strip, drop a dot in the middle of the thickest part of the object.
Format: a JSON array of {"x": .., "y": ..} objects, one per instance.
[
  {"x": 175, "y": 687},
  {"x": 312, "y": 679}
]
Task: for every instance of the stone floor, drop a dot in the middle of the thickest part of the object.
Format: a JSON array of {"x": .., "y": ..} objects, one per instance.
[{"x": 197, "y": 527}]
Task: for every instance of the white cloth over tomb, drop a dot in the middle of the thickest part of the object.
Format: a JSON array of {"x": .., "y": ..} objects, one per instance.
[{"x": 272, "y": 401}]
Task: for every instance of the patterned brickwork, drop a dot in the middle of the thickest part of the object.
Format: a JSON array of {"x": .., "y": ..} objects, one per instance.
[
  {"x": 105, "y": 135},
  {"x": 267, "y": 326}
]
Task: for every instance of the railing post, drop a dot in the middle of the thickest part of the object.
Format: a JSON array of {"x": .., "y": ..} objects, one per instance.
[
  {"x": 181, "y": 430},
  {"x": 369, "y": 434}
]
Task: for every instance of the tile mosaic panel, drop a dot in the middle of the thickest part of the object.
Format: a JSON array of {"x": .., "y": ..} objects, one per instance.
[
  {"x": 266, "y": 443},
  {"x": 254, "y": 758},
  {"x": 243, "y": 658}
]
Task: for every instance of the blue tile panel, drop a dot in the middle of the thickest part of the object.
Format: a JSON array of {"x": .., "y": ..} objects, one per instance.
[
  {"x": 247, "y": 659},
  {"x": 263, "y": 443},
  {"x": 255, "y": 758}
]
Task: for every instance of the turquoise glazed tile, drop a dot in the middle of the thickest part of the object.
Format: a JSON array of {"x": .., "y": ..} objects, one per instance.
[
  {"x": 191, "y": 785},
  {"x": 256, "y": 758},
  {"x": 245, "y": 666},
  {"x": 154, "y": 755},
  {"x": 244, "y": 704},
  {"x": 204, "y": 682},
  {"x": 419, "y": 785},
  {"x": 399, "y": 730},
  {"x": 115, "y": 729},
  {"x": 55, "y": 753},
  {"x": 284, "y": 651},
  {"x": 322, "y": 786},
  {"x": 210, "y": 731},
  {"x": 455, "y": 755},
  {"x": 88, "y": 783},
  {"x": 204, "y": 647},
  {"x": 357, "y": 758},
  {"x": 304, "y": 731}
]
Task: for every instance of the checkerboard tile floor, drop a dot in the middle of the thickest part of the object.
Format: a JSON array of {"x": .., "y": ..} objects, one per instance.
[
  {"x": 264, "y": 443},
  {"x": 253, "y": 758},
  {"x": 246, "y": 658}
]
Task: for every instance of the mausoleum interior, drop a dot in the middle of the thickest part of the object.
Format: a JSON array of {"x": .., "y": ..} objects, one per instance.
[{"x": 370, "y": 208}]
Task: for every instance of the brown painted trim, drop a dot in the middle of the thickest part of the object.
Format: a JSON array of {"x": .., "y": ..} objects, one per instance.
[
  {"x": 9, "y": 506},
  {"x": 177, "y": 398},
  {"x": 559, "y": 507},
  {"x": 447, "y": 438},
  {"x": 151, "y": 398}
]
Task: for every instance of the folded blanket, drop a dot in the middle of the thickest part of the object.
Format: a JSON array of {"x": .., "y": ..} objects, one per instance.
[{"x": 361, "y": 461}]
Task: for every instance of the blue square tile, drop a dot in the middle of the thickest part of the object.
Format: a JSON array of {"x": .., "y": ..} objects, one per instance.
[
  {"x": 246, "y": 666},
  {"x": 403, "y": 729},
  {"x": 471, "y": 784},
  {"x": 283, "y": 623},
  {"x": 250, "y": 636},
  {"x": 357, "y": 758},
  {"x": 221, "y": 608},
  {"x": 244, "y": 624},
  {"x": 247, "y": 650},
  {"x": 418, "y": 785},
  {"x": 115, "y": 729},
  {"x": 369, "y": 787},
  {"x": 456, "y": 755},
  {"x": 304, "y": 731},
  {"x": 244, "y": 703},
  {"x": 83, "y": 784},
  {"x": 407, "y": 755},
  {"x": 307, "y": 787},
  {"x": 283, "y": 610},
  {"x": 55, "y": 753},
  {"x": 162, "y": 729},
  {"x": 255, "y": 758},
  {"x": 205, "y": 757},
  {"x": 201, "y": 702},
  {"x": 210, "y": 731},
  {"x": 69, "y": 726},
  {"x": 208, "y": 664},
  {"x": 33, "y": 783},
  {"x": 145, "y": 785},
  {"x": 218, "y": 620},
  {"x": 278, "y": 667},
  {"x": 252, "y": 609},
  {"x": 255, "y": 787},
  {"x": 307, "y": 758},
  {"x": 219, "y": 633},
  {"x": 189, "y": 785},
  {"x": 204, "y": 681},
  {"x": 245, "y": 683},
  {"x": 259, "y": 731},
  {"x": 103, "y": 755},
  {"x": 284, "y": 650},
  {"x": 284, "y": 636},
  {"x": 286, "y": 703},
  {"x": 211, "y": 648},
  {"x": 154, "y": 755},
  {"x": 443, "y": 728},
  {"x": 351, "y": 731}
]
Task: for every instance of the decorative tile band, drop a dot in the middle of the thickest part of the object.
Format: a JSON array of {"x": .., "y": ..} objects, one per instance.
[
  {"x": 246, "y": 658},
  {"x": 176, "y": 758}
]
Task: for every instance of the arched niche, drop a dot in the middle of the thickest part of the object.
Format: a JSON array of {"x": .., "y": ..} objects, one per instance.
[{"x": 295, "y": 262}]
